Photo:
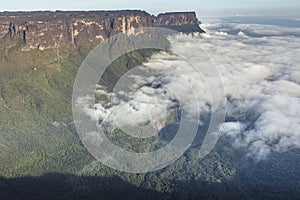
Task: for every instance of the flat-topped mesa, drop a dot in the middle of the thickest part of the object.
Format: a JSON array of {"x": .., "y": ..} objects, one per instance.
[
  {"x": 46, "y": 30},
  {"x": 180, "y": 21}
]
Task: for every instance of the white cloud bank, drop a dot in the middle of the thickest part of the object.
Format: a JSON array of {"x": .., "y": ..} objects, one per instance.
[
  {"x": 261, "y": 78},
  {"x": 260, "y": 69}
]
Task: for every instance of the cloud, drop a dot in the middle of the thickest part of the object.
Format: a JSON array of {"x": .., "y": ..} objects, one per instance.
[
  {"x": 261, "y": 78},
  {"x": 259, "y": 67},
  {"x": 266, "y": 123}
]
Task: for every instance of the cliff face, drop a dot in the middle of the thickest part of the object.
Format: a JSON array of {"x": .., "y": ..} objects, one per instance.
[
  {"x": 44, "y": 30},
  {"x": 179, "y": 21},
  {"x": 177, "y": 18}
]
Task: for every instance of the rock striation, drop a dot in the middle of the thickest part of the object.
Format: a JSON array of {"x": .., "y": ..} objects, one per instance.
[{"x": 46, "y": 29}]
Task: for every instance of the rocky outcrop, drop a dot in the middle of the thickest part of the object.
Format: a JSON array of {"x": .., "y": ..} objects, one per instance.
[
  {"x": 44, "y": 30},
  {"x": 179, "y": 21}
]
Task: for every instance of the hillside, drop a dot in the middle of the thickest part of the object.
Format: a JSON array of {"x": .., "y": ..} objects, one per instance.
[{"x": 42, "y": 156}]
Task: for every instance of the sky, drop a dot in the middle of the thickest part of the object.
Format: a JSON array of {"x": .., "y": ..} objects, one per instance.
[{"x": 203, "y": 8}]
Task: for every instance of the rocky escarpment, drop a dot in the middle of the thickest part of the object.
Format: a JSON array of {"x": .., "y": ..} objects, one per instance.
[
  {"x": 182, "y": 22},
  {"x": 44, "y": 30}
]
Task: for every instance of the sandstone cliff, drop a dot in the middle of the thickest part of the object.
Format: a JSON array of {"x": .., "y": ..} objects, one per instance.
[{"x": 44, "y": 30}]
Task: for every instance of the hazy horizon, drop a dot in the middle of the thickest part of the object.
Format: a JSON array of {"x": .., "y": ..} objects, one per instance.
[{"x": 203, "y": 9}]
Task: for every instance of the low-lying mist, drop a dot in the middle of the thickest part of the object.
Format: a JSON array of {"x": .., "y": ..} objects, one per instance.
[{"x": 260, "y": 72}]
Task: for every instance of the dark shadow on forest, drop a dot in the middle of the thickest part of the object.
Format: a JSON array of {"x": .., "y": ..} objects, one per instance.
[{"x": 66, "y": 186}]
